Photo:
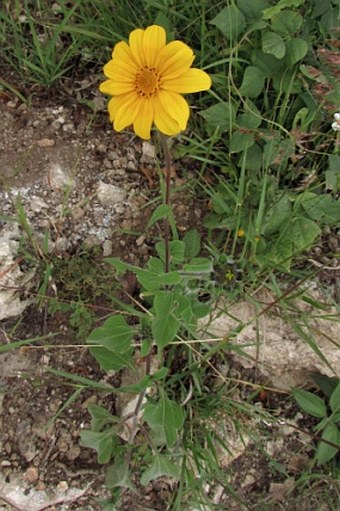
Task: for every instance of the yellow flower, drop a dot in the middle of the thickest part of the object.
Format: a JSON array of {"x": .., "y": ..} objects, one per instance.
[{"x": 146, "y": 79}]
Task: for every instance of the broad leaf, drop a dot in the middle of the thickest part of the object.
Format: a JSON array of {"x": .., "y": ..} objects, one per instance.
[
  {"x": 273, "y": 44},
  {"x": 161, "y": 466},
  {"x": 117, "y": 475},
  {"x": 286, "y": 23},
  {"x": 100, "y": 416},
  {"x": 221, "y": 115},
  {"x": 303, "y": 232},
  {"x": 241, "y": 141},
  {"x": 310, "y": 403},
  {"x": 230, "y": 21},
  {"x": 334, "y": 401},
  {"x": 102, "y": 442},
  {"x": 114, "y": 334},
  {"x": 326, "y": 452},
  {"x": 296, "y": 49},
  {"x": 112, "y": 361},
  {"x": 253, "y": 82},
  {"x": 166, "y": 415},
  {"x": 282, "y": 4},
  {"x": 176, "y": 247},
  {"x": 192, "y": 241},
  {"x": 164, "y": 329},
  {"x": 162, "y": 211}
]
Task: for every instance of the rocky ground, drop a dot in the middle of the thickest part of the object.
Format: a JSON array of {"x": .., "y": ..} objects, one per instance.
[{"x": 70, "y": 187}]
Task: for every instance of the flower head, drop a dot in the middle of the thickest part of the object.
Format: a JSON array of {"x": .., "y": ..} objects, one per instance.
[{"x": 146, "y": 79}]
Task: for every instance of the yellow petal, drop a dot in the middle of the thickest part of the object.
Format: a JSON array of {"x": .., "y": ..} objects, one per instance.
[
  {"x": 176, "y": 107},
  {"x": 164, "y": 122},
  {"x": 174, "y": 59},
  {"x": 119, "y": 70},
  {"x": 154, "y": 40},
  {"x": 122, "y": 52},
  {"x": 126, "y": 111},
  {"x": 136, "y": 46},
  {"x": 113, "y": 106},
  {"x": 144, "y": 119},
  {"x": 193, "y": 80},
  {"x": 116, "y": 88}
]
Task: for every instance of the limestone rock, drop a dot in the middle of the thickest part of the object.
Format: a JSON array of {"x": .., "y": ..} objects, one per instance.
[
  {"x": 274, "y": 345},
  {"x": 110, "y": 194}
]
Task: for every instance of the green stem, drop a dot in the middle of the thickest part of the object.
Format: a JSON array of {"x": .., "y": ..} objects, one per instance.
[{"x": 167, "y": 155}]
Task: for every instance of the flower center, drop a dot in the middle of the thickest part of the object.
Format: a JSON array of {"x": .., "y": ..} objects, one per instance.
[{"x": 147, "y": 82}]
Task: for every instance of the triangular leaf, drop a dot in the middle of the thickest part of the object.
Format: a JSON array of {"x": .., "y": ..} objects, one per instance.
[
  {"x": 102, "y": 442},
  {"x": 165, "y": 415},
  {"x": 161, "y": 466}
]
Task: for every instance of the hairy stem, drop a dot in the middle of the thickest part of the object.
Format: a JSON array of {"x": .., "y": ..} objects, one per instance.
[{"x": 167, "y": 155}]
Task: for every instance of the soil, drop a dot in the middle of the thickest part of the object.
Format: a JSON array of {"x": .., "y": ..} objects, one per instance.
[{"x": 87, "y": 193}]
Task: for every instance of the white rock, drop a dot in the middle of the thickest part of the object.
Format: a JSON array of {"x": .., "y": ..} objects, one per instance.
[
  {"x": 107, "y": 248},
  {"x": 110, "y": 194},
  {"x": 273, "y": 345},
  {"x": 12, "y": 278},
  {"x": 37, "y": 204},
  {"x": 149, "y": 151},
  {"x": 58, "y": 177}
]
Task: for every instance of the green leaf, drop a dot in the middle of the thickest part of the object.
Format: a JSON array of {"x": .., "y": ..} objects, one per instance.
[
  {"x": 253, "y": 158},
  {"x": 279, "y": 253},
  {"x": 253, "y": 9},
  {"x": 198, "y": 266},
  {"x": 279, "y": 215},
  {"x": 102, "y": 442},
  {"x": 160, "y": 374},
  {"x": 161, "y": 466},
  {"x": 296, "y": 49},
  {"x": 314, "y": 205},
  {"x": 114, "y": 334},
  {"x": 303, "y": 232},
  {"x": 273, "y": 44},
  {"x": 334, "y": 401},
  {"x": 326, "y": 383},
  {"x": 253, "y": 82},
  {"x": 164, "y": 330},
  {"x": 251, "y": 118},
  {"x": 152, "y": 281},
  {"x": 100, "y": 417},
  {"x": 324, "y": 451},
  {"x": 282, "y": 4},
  {"x": 268, "y": 64},
  {"x": 192, "y": 241},
  {"x": 110, "y": 361},
  {"x": 231, "y": 22},
  {"x": 200, "y": 310},
  {"x": 241, "y": 141},
  {"x": 287, "y": 22},
  {"x": 165, "y": 416},
  {"x": 310, "y": 403},
  {"x": 162, "y": 211},
  {"x": 221, "y": 115},
  {"x": 117, "y": 475},
  {"x": 177, "y": 248}
]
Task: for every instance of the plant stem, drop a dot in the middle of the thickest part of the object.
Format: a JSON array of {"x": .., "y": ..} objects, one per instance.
[{"x": 167, "y": 155}]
